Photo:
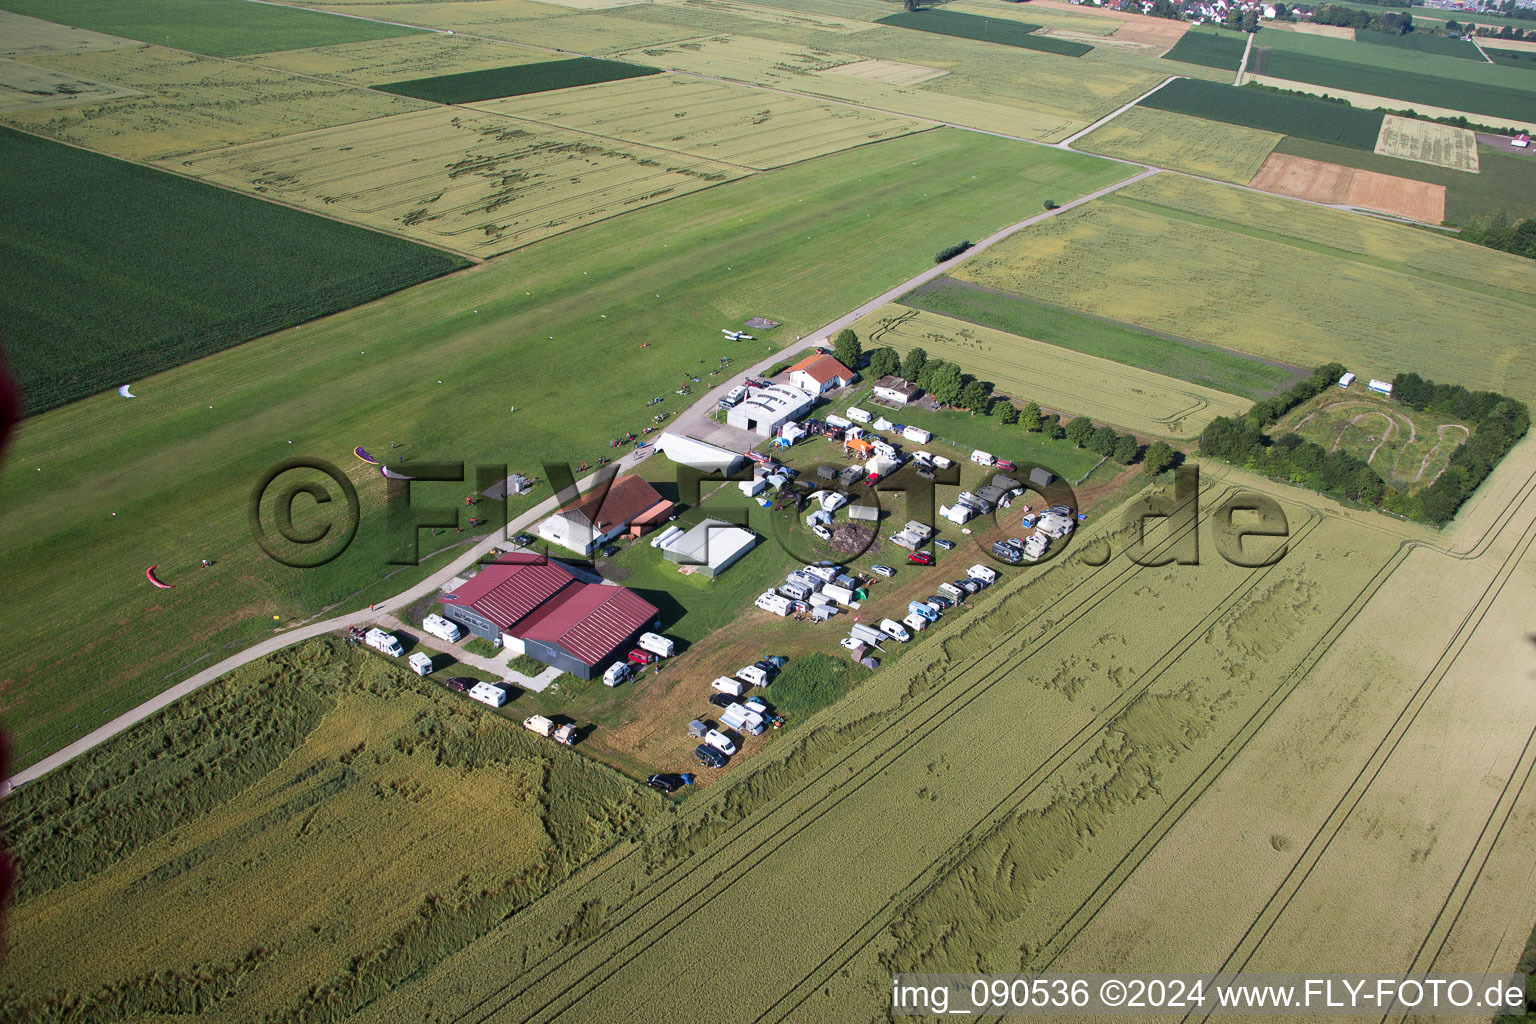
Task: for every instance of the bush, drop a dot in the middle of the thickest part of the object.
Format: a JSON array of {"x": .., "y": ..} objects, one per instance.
[
  {"x": 951, "y": 252},
  {"x": 481, "y": 646},
  {"x": 527, "y": 665},
  {"x": 1159, "y": 456},
  {"x": 1050, "y": 204}
]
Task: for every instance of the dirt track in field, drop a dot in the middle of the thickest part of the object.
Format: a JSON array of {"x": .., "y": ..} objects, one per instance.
[{"x": 1322, "y": 182}]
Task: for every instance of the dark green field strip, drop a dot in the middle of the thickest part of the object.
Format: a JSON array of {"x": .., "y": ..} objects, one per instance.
[
  {"x": 1506, "y": 183},
  {"x": 220, "y": 28},
  {"x": 110, "y": 271},
  {"x": 988, "y": 30},
  {"x": 1512, "y": 58},
  {"x": 1475, "y": 97},
  {"x": 1209, "y": 50},
  {"x": 1466, "y": 284},
  {"x": 1128, "y": 344},
  {"x": 518, "y": 80},
  {"x": 1421, "y": 42},
  {"x": 1271, "y": 111}
]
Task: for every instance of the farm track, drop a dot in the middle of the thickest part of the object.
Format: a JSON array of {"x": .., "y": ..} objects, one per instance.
[
  {"x": 700, "y": 863},
  {"x": 1254, "y": 936}
]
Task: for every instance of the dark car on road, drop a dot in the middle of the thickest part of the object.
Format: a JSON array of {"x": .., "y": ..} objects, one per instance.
[
  {"x": 669, "y": 782},
  {"x": 460, "y": 684}
]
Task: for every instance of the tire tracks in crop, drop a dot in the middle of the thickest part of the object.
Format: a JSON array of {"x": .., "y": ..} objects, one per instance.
[
  {"x": 942, "y": 701},
  {"x": 1274, "y": 908}
]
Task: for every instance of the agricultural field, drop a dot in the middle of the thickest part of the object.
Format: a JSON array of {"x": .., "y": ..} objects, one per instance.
[
  {"x": 1180, "y": 142},
  {"x": 1333, "y": 123},
  {"x": 499, "y": 336},
  {"x": 219, "y": 28},
  {"x": 1427, "y": 143},
  {"x": 1166, "y": 355},
  {"x": 1337, "y": 185},
  {"x": 1199, "y": 678},
  {"x": 725, "y": 122},
  {"x": 396, "y": 60},
  {"x": 1054, "y": 377},
  {"x": 530, "y": 23},
  {"x": 21, "y": 36},
  {"x": 1002, "y": 31},
  {"x": 517, "y": 80},
  {"x": 1183, "y": 272},
  {"x": 1525, "y": 59},
  {"x": 1210, "y": 48},
  {"x": 143, "y": 271},
  {"x": 29, "y": 87},
  {"x": 319, "y": 808},
  {"x": 1505, "y": 182},
  {"x": 1421, "y": 42},
  {"x": 479, "y": 184},
  {"x": 192, "y": 103},
  {"x": 1410, "y": 449},
  {"x": 891, "y": 72}
]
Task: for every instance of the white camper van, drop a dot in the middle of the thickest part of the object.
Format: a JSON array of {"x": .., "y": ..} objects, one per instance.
[
  {"x": 442, "y": 628},
  {"x": 657, "y": 644},
  {"x": 384, "y": 643}
]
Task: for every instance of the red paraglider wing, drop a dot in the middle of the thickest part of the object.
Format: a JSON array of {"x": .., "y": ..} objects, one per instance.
[{"x": 150, "y": 572}]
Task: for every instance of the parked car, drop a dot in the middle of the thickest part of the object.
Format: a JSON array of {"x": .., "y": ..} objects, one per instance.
[
  {"x": 851, "y": 643},
  {"x": 721, "y": 700},
  {"x": 1061, "y": 510},
  {"x": 459, "y": 684},
  {"x": 639, "y": 657},
  {"x": 709, "y": 757},
  {"x": 610, "y": 550},
  {"x": 822, "y": 532},
  {"x": 940, "y": 600},
  {"x": 882, "y": 570},
  {"x": 944, "y": 545},
  {"x": 524, "y": 540},
  {"x": 968, "y": 585},
  {"x": 921, "y": 558},
  {"x": 668, "y": 782},
  {"x": 720, "y": 741},
  {"x": 1004, "y": 465}
]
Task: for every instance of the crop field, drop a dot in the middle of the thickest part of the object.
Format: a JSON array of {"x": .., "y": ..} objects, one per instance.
[
  {"x": 1183, "y": 143},
  {"x": 1421, "y": 42},
  {"x": 1510, "y": 101},
  {"x": 1166, "y": 355},
  {"x": 1512, "y": 58},
  {"x": 717, "y": 120},
  {"x": 193, "y": 103},
  {"x": 1428, "y": 143},
  {"x": 314, "y": 810},
  {"x": 29, "y": 87},
  {"x": 1055, "y": 377},
  {"x": 1212, "y": 49},
  {"x": 1504, "y": 182},
  {"x": 1287, "y": 115},
  {"x": 143, "y": 271},
  {"x": 1003, "y": 31},
  {"x": 766, "y": 16},
  {"x": 891, "y": 72},
  {"x": 1408, "y": 448},
  {"x": 1173, "y": 270},
  {"x": 517, "y": 80},
  {"x": 1160, "y": 702},
  {"x": 666, "y": 273},
  {"x": 475, "y": 183},
  {"x": 219, "y": 28},
  {"x": 531, "y": 23},
  {"x": 1319, "y": 182},
  {"x": 395, "y": 60},
  {"x": 21, "y": 36}
]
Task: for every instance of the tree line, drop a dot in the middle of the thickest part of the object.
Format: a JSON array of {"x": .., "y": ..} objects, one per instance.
[{"x": 1498, "y": 233}]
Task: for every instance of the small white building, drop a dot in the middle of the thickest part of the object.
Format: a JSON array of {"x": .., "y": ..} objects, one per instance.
[
  {"x": 819, "y": 373},
  {"x": 895, "y": 391},
  {"x": 701, "y": 455},
  {"x": 768, "y": 409},
  {"x": 1346, "y": 380},
  {"x": 1381, "y": 387},
  {"x": 752, "y": 488},
  {"x": 711, "y": 547}
]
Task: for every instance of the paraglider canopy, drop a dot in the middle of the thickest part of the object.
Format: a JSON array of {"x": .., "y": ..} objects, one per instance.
[
  {"x": 150, "y": 572},
  {"x": 125, "y": 392},
  {"x": 390, "y": 474},
  {"x": 361, "y": 453}
]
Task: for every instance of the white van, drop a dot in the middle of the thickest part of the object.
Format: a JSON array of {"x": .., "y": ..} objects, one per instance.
[
  {"x": 754, "y": 675},
  {"x": 616, "y": 674},
  {"x": 385, "y": 643},
  {"x": 725, "y": 684},
  {"x": 982, "y": 573},
  {"x": 489, "y": 693},
  {"x": 442, "y": 628},
  {"x": 894, "y": 630},
  {"x": 421, "y": 663},
  {"x": 982, "y": 458},
  {"x": 657, "y": 644}
]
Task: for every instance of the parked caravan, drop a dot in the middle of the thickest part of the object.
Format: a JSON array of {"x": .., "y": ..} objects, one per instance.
[
  {"x": 982, "y": 573},
  {"x": 943, "y": 463},
  {"x": 742, "y": 719},
  {"x": 725, "y": 684},
  {"x": 489, "y": 693},
  {"x": 795, "y": 591},
  {"x": 441, "y": 628},
  {"x": 773, "y": 603},
  {"x": 915, "y": 622},
  {"x": 754, "y": 675},
  {"x": 916, "y": 435},
  {"x": 616, "y": 674},
  {"x": 858, "y": 415},
  {"x": 823, "y": 612},
  {"x": 982, "y": 458},
  {"x": 842, "y": 595},
  {"x": 656, "y": 644},
  {"x": 421, "y": 663}
]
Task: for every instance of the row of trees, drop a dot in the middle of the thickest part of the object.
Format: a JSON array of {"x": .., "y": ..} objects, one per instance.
[
  {"x": 1498, "y": 233},
  {"x": 1354, "y": 17}
]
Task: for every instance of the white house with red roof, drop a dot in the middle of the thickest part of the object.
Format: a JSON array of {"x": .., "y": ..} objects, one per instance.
[
  {"x": 819, "y": 374},
  {"x": 629, "y": 504}
]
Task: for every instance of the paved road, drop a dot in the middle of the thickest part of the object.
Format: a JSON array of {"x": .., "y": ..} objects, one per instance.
[{"x": 1243, "y": 66}]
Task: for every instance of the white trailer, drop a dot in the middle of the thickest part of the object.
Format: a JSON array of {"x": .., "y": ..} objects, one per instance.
[
  {"x": 489, "y": 693},
  {"x": 916, "y": 435},
  {"x": 981, "y": 572},
  {"x": 842, "y": 595},
  {"x": 421, "y": 663},
  {"x": 982, "y": 458},
  {"x": 754, "y": 675},
  {"x": 858, "y": 415},
  {"x": 657, "y": 644},
  {"x": 868, "y": 634},
  {"x": 742, "y": 720},
  {"x": 725, "y": 684}
]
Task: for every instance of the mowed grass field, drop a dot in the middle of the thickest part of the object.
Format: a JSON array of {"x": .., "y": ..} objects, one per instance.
[
  {"x": 748, "y": 127},
  {"x": 141, "y": 271},
  {"x": 242, "y": 853},
  {"x": 221, "y": 28},
  {"x": 1230, "y": 272},
  {"x": 1056, "y": 378},
  {"x": 476, "y": 183},
  {"x": 951, "y": 832},
  {"x": 1184, "y": 143},
  {"x": 193, "y": 103},
  {"x": 558, "y": 336}
]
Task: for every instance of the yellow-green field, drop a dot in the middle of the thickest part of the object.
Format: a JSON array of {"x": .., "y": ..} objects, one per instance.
[
  {"x": 377, "y": 819},
  {"x": 1274, "y": 291},
  {"x": 771, "y": 16},
  {"x": 21, "y": 36},
  {"x": 1055, "y": 377},
  {"x": 1428, "y": 143},
  {"x": 29, "y": 87},
  {"x": 476, "y": 183},
  {"x": 1183, "y": 143},
  {"x": 725, "y": 122},
  {"x": 401, "y": 58},
  {"x": 528, "y": 22},
  {"x": 194, "y": 103}
]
